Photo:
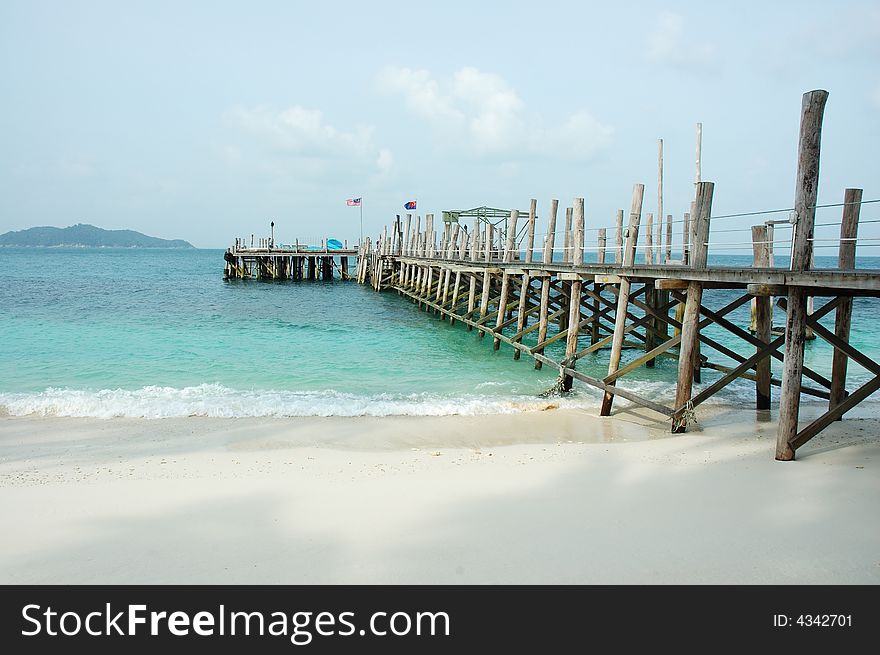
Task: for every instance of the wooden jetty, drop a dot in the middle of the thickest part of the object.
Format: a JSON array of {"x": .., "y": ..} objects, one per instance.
[
  {"x": 269, "y": 261},
  {"x": 498, "y": 282},
  {"x": 633, "y": 299}
]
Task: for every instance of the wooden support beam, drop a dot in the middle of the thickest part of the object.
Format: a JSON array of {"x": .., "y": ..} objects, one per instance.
[
  {"x": 617, "y": 391},
  {"x": 574, "y": 297},
  {"x": 668, "y": 239},
  {"x": 505, "y": 275},
  {"x": 766, "y": 290},
  {"x": 549, "y": 243},
  {"x": 455, "y": 292},
  {"x": 670, "y": 283},
  {"x": 809, "y": 391},
  {"x": 832, "y": 415},
  {"x": 648, "y": 356},
  {"x": 761, "y": 355},
  {"x": 472, "y": 289},
  {"x": 651, "y": 329},
  {"x": 632, "y": 236},
  {"x": 566, "y": 247},
  {"x": 618, "y": 238},
  {"x": 487, "y": 277},
  {"x": 812, "y": 110},
  {"x": 762, "y": 313},
  {"x": 526, "y": 280},
  {"x": 690, "y": 330},
  {"x": 849, "y": 229}
]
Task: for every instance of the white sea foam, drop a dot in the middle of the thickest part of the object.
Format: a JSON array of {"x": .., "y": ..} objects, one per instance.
[
  {"x": 219, "y": 401},
  {"x": 215, "y": 400}
]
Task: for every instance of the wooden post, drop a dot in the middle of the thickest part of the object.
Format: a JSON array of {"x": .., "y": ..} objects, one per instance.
[
  {"x": 662, "y": 297},
  {"x": 597, "y": 288},
  {"x": 526, "y": 281},
  {"x": 505, "y": 275},
  {"x": 417, "y": 235},
  {"x": 650, "y": 296},
  {"x": 407, "y": 246},
  {"x": 549, "y": 244},
  {"x": 691, "y": 240},
  {"x": 849, "y": 230},
  {"x": 530, "y": 241},
  {"x": 566, "y": 248},
  {"x": 562, "y": 320},
  {"x": 686, "y": 238},
  {"x": 430, "y": 235},
  {"x": 659, "y": 258},
  {"x": 690, "y": 328},
  {"x": 487, "y": 277},
  {"x": 472, "y": 294},
  {"x": 618, "y": 239},
  {"x": 812, "y": 110},
  {"x": 698, "y": 173},
  {"x": 762, "y": 317},
  {"x": 574, "y": 297},
  {"x": 632, "y": 238}
]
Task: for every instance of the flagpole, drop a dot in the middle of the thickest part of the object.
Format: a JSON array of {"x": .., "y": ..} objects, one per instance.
[{"x": 361, "y": 206}]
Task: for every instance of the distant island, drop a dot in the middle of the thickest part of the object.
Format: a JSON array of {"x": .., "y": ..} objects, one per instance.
[{"x": 85, "y": 236}]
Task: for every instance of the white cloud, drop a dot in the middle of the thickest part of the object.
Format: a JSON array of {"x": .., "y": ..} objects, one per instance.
[
  {"x": 670, "y": 45},
  {"x": 304, "y": 135},
  {"x": 482, "y": 114}
]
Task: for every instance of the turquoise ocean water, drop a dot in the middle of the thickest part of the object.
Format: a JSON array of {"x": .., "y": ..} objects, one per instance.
[{"x": 159, "y": 333}]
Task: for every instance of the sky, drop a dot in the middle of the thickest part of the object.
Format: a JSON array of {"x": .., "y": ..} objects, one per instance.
[{"x": 207, "y": 120}]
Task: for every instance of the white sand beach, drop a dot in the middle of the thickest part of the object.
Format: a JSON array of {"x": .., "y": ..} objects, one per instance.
[{"x": 558, "y": 496}]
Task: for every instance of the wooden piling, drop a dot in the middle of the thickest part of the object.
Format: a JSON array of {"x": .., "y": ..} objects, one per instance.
[
  {"x": 618, "y": 238},
  {"x": 525, "y": 284},
  {"x": 690, "y": 329},
  {"x": 574, "y": 297},
  {"x": 487, "y": 276},
  {"x": 597, "y": 288},
  {"x": 762, "y": 316},
  {"x": 649, "y": 238},
  {"x": 632, "y": 237},
  {"x": 505, "y": 275},
  {"x": 659, "y": 257},
  {"x": 472, "y": 291},
  {"x": 549, "y": 244},
  {"x": 849, "y": 229},
  {"x": 686, "y": 237},
  {"x": 812, "y": 110}
]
